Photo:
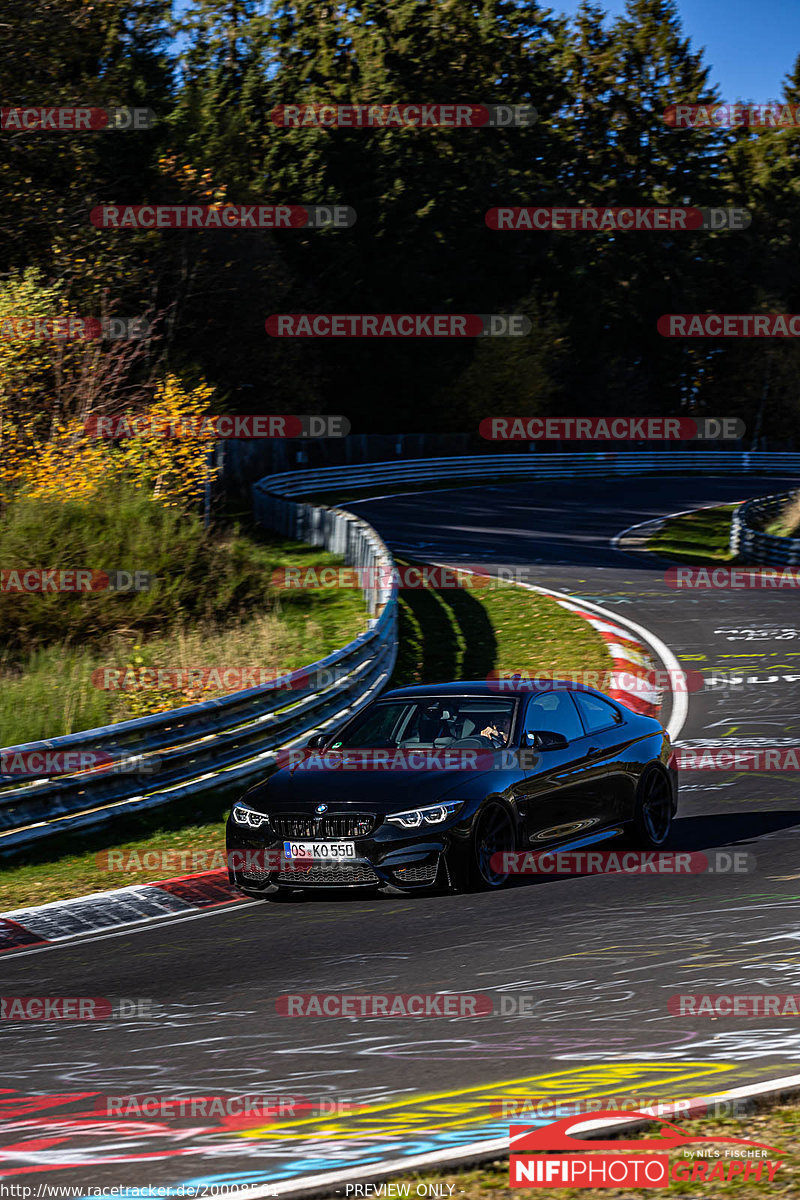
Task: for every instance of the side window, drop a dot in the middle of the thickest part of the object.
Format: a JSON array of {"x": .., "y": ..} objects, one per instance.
[
  {"x": 555, "y": 712},
  {"x": 597, "y": 713},
  {"x": 376, "y": 727}
]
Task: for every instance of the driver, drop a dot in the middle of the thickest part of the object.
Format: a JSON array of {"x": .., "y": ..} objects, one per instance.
[{"x": 498, "y": 730}]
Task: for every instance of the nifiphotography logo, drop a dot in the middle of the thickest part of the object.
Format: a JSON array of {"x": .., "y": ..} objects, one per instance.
[{"x": 635, "y": 1163}]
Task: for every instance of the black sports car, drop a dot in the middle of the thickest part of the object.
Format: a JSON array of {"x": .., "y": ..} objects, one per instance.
[{"x": 426, "y": 785}]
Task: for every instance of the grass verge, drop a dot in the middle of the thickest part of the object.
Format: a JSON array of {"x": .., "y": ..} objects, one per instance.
[
  {"x": 787, "y": 523},
  {"x": 212, "y": 604},
  {"x": 696, "y": 537},
  {"x": 459, "y": 633}
]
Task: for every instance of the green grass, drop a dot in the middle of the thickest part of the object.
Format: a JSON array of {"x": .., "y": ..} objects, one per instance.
[
  {"x": 77, "y": 864},
  {"x": 468, "y": 633},
  {"x": 213, "y": 604},
  {"x": 787, "y": 522},
  {"x": 696, "y": 537},
  {"x": 449, "y": 634}
]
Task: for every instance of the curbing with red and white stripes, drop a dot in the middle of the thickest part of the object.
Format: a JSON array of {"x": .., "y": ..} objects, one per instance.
[
  {"x": 62, "y": 920},
  {"x": 634, "y": 677}
]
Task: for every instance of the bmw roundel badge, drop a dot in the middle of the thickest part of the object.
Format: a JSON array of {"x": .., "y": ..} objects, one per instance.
[{"x": 321, "y": 808}]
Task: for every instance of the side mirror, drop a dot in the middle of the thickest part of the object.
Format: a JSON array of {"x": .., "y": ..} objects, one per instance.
[
  {"x": 317, "y": 741},
  {"x": 546, "y": 739}
]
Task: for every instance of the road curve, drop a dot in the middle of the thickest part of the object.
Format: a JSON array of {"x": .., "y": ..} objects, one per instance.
[{"x": 601, "y": 955}]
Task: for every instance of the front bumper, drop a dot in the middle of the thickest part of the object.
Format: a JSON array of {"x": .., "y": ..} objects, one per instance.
[{"x": 389, "y": 858}]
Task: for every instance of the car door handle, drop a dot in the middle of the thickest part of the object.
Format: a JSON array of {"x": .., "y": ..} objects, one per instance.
[{"x": 593, "y": 751}]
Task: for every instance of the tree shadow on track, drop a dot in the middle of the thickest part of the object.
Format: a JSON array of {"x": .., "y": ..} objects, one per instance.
[{"x": 444, "y": 635}]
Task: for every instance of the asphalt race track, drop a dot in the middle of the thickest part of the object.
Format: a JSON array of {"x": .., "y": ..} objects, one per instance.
[{"x": 600, "y": 955}]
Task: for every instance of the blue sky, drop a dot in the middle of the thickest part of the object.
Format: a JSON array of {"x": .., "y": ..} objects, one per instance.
[{"x": 750, "y": 44}]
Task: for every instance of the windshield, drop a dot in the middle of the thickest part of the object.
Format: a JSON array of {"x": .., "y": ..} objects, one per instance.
[{"x": 431, "y": 721}]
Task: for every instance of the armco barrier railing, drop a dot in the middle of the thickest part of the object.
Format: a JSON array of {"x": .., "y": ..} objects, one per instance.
[
  {"x": 298, "y": 519},
  {"x": 278, "y": 488},
  {"x": 749, "y": 541},
  {"x": 232, "y": 742},
  {"x": 216, "y": 745}
]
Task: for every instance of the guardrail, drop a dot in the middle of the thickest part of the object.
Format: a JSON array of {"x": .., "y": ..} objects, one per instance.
[
  {"x": 502, "y": 466},
  {"x": 216, "y": 744},
  {"x": 751, "y": 544}
]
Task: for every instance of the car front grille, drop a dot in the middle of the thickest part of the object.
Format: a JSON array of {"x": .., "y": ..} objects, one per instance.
[
  {"x": 255, "y": 874},
  {"x": 333, "y": 874},
  {"x": 343, "y": 825},
  {"x": 423, "y": 874}
]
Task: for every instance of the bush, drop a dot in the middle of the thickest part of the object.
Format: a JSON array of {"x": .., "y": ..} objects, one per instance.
[{"x": 197, "y": 577}]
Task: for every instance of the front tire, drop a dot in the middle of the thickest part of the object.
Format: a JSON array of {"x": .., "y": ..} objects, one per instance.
[
  {"x": 653, "y": 810},
  {"x": 493, "y": 834}
]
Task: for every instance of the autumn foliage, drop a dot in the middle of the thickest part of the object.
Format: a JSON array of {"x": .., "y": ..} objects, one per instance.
[{"x": 49, "y": 387}]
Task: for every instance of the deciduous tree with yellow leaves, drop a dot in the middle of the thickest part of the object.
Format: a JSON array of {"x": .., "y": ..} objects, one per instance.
[{"x": 50, "y": 386}]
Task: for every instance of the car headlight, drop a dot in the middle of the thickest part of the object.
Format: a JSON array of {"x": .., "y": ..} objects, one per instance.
[
  {"x": 433, "y": 814},
  {"x": 243, "y": 814}
]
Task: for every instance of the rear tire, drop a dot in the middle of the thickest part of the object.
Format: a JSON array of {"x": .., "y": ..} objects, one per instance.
[{"x": 653, "y": 811}]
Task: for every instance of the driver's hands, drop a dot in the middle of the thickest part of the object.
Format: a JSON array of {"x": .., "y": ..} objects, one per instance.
[{"x": 491, "y": 731}]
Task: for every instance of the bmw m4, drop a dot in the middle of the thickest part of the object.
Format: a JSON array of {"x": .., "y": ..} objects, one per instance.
[{"x": 427, "y": 786}]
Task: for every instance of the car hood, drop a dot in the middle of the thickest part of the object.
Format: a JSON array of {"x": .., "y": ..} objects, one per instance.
[{"x": 294, "y": 788}]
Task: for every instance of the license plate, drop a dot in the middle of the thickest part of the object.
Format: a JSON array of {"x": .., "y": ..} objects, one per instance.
[{"x": 316, "y": 851}]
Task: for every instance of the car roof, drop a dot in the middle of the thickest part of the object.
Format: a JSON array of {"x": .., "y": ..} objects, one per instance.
[{"x": 483, "y": 687}]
